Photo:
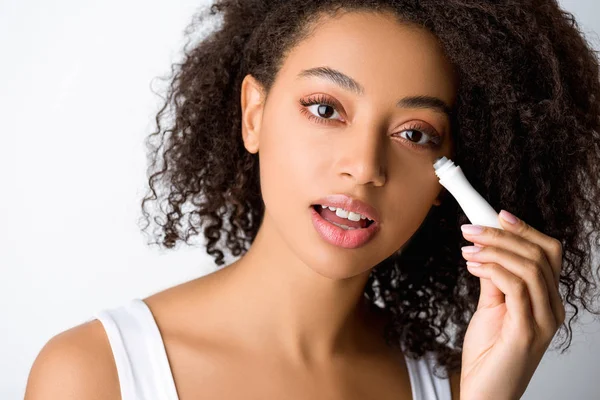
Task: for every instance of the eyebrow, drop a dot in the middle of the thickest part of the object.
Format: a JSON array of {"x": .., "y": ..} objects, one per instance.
[{"x": 347, "y": 83}]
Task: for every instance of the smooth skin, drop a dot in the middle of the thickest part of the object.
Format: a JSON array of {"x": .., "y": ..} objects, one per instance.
[{"x": 287, "y": 320}]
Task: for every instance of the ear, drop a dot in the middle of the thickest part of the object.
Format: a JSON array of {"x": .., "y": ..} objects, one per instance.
[
  {"x": 251, "y": 98},
  {"x": 440, "y": 197}
]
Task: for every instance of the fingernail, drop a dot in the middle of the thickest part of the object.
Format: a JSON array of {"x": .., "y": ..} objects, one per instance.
[
  {"x": 473, "y": 264},
  {"x": 471, "y": 249},
  {"x": 508, "y": 217},
  {"x": 471, "y": 229}
]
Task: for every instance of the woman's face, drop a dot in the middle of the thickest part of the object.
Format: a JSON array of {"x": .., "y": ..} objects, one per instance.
[{"x": 356, "y": 139}]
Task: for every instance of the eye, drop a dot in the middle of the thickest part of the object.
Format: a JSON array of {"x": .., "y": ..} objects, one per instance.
[
  {"x": 320, "y": 109},
  {"x": 422, "y": 137}
]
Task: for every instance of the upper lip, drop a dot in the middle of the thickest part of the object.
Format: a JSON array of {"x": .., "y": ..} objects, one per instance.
[{"x": 350, "y": 204}]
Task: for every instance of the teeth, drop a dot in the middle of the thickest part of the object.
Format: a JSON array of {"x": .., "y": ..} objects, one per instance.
[
  {"x": 340, "y": 212},
  {"x": 352, "y": 216},
  {"x": 344, "y": 226}
]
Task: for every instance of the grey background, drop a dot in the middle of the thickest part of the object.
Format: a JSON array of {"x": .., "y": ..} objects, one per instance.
[{"x": 76, "y": 105}]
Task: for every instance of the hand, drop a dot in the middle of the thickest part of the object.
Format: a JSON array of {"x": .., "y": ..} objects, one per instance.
[{"x": 518, "y": 312}]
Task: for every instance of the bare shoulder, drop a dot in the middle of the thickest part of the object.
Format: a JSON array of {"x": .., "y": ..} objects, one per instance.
[
  {"x": 79, "y": 364},
  {"x": 75, "y": 364},
  {"x": 176, "y": 308}
]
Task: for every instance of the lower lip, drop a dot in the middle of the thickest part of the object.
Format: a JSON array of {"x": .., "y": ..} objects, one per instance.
[{"x": 349, "y": 239}]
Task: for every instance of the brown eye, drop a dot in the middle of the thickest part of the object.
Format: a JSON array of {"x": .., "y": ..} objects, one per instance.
[
  {"x": 321, "y": 109},
  {"x": 414, "y": 135},
  {"x": 421, "y": 137},
  {"x": 325, "y": 111}
]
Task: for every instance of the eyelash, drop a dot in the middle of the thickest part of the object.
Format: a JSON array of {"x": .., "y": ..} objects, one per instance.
[{"x": 435, "y": 139}]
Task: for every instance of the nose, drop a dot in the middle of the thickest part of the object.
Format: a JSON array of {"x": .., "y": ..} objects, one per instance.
[{"x": 362, "y": 157}]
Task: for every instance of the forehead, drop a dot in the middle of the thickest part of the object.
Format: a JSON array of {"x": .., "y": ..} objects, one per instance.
[{"x": 384, "y": 55}]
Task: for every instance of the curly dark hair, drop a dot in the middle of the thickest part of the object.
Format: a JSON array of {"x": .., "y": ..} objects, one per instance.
[{"x": 525, "y": 132}]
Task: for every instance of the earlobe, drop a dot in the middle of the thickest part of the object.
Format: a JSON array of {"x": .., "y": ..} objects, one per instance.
[
  {"x": 440, "y": 197},
  {"x": 252, "y": 109}
]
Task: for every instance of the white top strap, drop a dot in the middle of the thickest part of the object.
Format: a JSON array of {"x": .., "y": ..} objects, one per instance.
[
  {"x": 425, "y": 385},
  {"x": 141, "y": 360}
]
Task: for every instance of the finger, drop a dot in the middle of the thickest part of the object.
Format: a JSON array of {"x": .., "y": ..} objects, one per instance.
[
  {"x": 502, "y": 239},
  {"x": 512, "y": 241},
  {"x": 552, "y": 247},
  {"x": 490, "y": 296},
  {"x": 516, "y": 294},
  {"x": 528, "y": 271}
]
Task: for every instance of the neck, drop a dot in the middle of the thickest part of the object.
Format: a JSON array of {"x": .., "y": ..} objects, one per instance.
[{"x": 281, "y": 302}]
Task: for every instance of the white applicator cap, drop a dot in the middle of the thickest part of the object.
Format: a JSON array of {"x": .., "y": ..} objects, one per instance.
[{"x": 475, "y": 207}]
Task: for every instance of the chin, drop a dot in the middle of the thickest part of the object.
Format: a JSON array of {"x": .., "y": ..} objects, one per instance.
[{"x": 338, "y": 268}]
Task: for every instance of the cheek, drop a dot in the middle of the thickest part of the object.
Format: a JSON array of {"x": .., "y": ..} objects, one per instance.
[
  {"x": 289, "y": 147},
  {"x": 415, "y": 176},
  {"x": 288, "y": 165},
  {"x": 411, "y": 200}
]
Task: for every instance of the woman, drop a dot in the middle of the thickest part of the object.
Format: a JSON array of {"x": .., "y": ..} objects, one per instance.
[{"x": 304, "y": 137}]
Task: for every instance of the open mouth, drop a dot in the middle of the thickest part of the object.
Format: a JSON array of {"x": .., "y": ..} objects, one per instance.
[
  {"x": 340, "y": 221},
  {"x": 333, "y": 227}
]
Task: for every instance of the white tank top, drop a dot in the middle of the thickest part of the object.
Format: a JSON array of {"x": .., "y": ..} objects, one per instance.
[{"x": 144, "y": 371}]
